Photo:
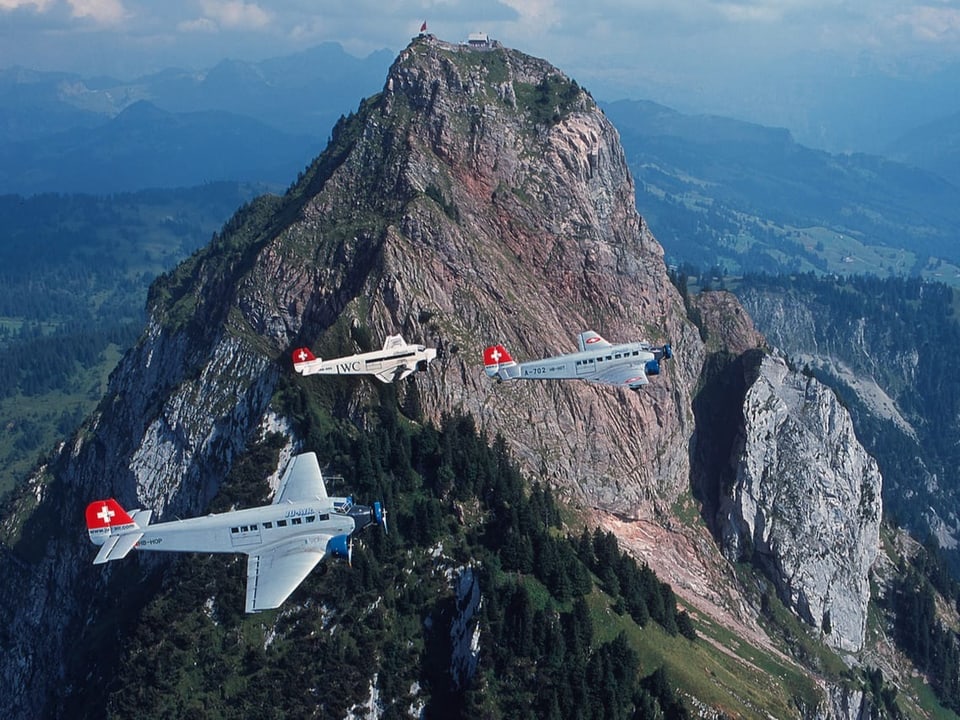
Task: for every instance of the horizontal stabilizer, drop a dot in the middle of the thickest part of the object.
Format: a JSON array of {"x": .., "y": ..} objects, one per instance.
[
  {"x": 117, "y": 547},
  {"x": 141, "y": 517}
]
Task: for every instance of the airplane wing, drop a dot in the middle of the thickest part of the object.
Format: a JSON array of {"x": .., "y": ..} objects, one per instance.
[
  {"x": 633, "y": 375},
  {"x": 274, "y": 574},
  {"x": 397, "y": 372},
  {"x": 302, "y": 480},
  {"x": 589, "y": 340}
]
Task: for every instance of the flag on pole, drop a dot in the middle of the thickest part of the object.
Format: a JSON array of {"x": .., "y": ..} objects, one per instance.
[{"x": 423, "y": 28}]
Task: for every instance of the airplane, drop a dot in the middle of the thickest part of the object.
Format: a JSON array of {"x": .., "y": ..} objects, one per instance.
[
  {"x": 395, "y": 362},
  {"x": 283, "y": 541},
  {"x": 598, "y": 361}
]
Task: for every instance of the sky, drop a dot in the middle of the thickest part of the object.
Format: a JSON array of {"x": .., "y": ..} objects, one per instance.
[{"x": 698, "y": 55}]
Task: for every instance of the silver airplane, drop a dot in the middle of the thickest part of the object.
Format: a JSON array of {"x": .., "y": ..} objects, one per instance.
[
  {"x": 395, "y": 362},
  {"x": 624, "y": 365},
  {"x": 283, "y": 541}
]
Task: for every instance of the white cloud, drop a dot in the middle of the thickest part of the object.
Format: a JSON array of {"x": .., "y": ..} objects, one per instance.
[
  {"x": 38, "y": 5},
  {"x": 106, "y": 12},
  {"x": 933, "y": 24},
  {"x": 202, "y": 25},
  {"x": 236, "y": 14}
]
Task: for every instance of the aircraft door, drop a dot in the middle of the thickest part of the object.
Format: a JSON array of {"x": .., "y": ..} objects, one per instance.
[
  {"x": 586, "y": 367},
  {"x": 244, "y": 535}
]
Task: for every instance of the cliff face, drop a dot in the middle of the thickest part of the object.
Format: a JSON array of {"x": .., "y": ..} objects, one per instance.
[
  {"x": 481, "y": 197},
  {"x": 805, "y": 503},
  {"x": 504, "y": 212},
  {"x": 888, "y": 349}
]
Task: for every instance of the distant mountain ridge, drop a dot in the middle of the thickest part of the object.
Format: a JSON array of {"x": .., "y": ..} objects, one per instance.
[
  {"x": 719, "y": 192},
  {"x": 745, "y": 197},
  {"x": 146, "y": 147},
  {"x": 258, "y": 122}
]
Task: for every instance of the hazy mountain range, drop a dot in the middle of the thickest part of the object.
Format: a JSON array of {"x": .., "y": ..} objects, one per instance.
[
  {"x": 485, "y": 195},
  {"x": 719, "y": 192}
]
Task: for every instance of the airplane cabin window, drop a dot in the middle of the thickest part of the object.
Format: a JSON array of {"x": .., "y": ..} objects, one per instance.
[
  {"x": 324, "y": 516},
  {"x": 268, "y": 525},
  {"x": 235, "y": 530},
  {"x": 310, "y": 518},
  {"x": 253, "y": 527},
  {"x": 297, "y": 521},
  {"x": 281, "y": 523}
]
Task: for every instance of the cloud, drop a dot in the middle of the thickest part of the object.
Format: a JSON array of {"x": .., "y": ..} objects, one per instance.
[
  {"x": 38, "y": 5},
  {"x": 933, "y": 24},
  {"x": 204, "y": 25},
  {"x": 236, "y": 14},
  {"x": 105, "y": 12}
]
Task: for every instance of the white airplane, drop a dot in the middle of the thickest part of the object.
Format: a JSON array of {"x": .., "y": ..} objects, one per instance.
[
  {"x": 394, "y": 362},
  {"x": 283, "y": 541},
  {"x": 625, "y": 365}
]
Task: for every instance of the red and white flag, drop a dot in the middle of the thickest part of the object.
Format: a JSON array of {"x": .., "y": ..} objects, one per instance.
[{"x": 423, "y": 28}]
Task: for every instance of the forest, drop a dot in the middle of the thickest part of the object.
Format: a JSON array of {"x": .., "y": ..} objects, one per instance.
[
  {"x": 930, "y": 643},
  {"x": 74, "y": 274}
]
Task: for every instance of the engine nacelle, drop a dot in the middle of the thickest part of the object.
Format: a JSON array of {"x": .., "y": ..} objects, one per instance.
[
  {"x": 652, "y": 367},
  {"x": 340, "y": 547}
]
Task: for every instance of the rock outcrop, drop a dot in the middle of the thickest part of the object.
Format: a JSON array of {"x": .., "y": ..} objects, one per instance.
[{"x": 805, "y": 504}]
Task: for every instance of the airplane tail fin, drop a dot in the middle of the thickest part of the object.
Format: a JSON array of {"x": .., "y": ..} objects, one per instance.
[
  {"x": 114, "y": 529},
  {"x": 301, "y": 358},
  {"x": 498, "y": 364}
]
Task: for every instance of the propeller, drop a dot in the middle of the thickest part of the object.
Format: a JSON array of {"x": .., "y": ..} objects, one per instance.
[{"x": 380, "y": 515}]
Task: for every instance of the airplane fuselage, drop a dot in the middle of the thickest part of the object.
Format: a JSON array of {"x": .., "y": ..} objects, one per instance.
[
  {"x": 250, "y": 530},
  {"x": 588, "y": 363},
  {"x": 372, "y": 363}
]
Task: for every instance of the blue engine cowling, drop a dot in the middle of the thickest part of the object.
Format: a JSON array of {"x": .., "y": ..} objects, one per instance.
[
  {"x": 667, "y": 351},
  {"x": 652, "y": 367},
  {"x": 340, "y": 547}
]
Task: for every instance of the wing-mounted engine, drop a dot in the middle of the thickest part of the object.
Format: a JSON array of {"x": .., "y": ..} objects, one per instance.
[
  {"x": 340, "y": 547},
  {"x": 664, "y": 352}
]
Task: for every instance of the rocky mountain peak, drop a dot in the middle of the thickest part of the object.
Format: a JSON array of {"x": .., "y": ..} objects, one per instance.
[{"x": 481, "y": 197}]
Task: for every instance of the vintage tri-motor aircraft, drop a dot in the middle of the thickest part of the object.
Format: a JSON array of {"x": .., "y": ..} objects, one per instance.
[
  {"x": 283, "y": 541},
  {"x": 394, "y": 362},
  {"x": 625, "y": 365}
]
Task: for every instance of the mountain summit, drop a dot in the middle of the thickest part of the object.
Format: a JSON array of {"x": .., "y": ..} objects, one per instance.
[{"x": 481, "y": 197}]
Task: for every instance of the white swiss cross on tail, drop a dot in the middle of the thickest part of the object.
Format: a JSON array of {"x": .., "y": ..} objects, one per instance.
[
  {"x": 302, "y": 355},
  {"x": 103, "y": 514},
  {"x": 495, "y": 355},
  {"x": 497, "y": 362}
]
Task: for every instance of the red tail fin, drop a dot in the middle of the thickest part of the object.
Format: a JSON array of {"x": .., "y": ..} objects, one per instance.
[
  {"x": 496, "y": 355},
  {"x": 302, "y": 355},
  {"x": 106, "y": 514}
]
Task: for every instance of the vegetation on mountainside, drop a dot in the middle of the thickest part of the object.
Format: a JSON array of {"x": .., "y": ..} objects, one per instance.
[
  {"x": 926, "y": 633},
  {"x": 457, "y": 502},
  {"x": 74, "y": 273}
]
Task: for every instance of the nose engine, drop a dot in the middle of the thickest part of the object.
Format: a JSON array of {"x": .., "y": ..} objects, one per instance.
[{"x": 364, "y": 515}]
